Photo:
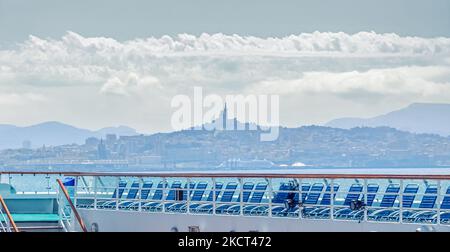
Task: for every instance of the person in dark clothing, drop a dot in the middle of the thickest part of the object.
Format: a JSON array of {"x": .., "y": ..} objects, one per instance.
[{"x": 290, "y": 199}]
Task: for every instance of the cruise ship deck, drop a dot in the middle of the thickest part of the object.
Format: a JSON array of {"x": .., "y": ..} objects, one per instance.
[{"x": 230, "y": 202}]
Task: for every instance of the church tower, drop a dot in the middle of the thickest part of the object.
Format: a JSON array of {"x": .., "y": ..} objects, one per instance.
[{"x": 224, "y": 117}]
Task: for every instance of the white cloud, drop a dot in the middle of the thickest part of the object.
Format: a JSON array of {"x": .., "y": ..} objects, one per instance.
[
  {"x": 130, "y": 85},
  {"x": 413, "y": 82},
  {"x": 102, "y": 79}
]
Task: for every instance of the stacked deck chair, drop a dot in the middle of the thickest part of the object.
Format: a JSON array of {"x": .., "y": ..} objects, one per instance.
[
  {"x": 353, "y": 194},
  {"x": 196, "y": 195},
  {"x": 117, "y": 194},
  {"x": 227, "y": 197},
  {"x": 194, "y": 207},
  {"x": 247, "y": 190}
]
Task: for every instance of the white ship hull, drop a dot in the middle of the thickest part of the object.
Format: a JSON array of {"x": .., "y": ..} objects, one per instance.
[{"x": 126, "y": 221}]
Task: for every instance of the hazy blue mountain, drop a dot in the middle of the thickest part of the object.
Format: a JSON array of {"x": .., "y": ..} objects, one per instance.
[
  {"x": 120, "y": 131},
  {"x": 417, "y": 118},
  {"x": 53, "y": 133}
]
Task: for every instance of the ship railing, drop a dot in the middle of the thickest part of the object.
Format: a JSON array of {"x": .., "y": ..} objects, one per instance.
[
  {"x": 32, "y": 183},
  {"x": 94, "y": 189},
  {"x": 7, "y": 223},
  {"x": 67, "y": 210}
]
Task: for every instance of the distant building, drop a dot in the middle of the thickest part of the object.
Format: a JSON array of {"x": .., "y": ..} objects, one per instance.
[
  {"x": 110, "y": 139},
  {"x": 26, "y": 144},
  {"x": 102, "y": 152},
  {"x": 92, "y": 141}
]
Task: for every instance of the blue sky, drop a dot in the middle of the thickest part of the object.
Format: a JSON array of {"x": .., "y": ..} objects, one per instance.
[
  {"x": 124, "y": 20},
  {"x": 104, "y": 63}
]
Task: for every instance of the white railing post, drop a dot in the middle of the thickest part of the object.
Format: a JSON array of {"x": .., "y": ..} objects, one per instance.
[
  {"x": 214, "y": 195},
  {"x": 47, "y": 177},
  {"x": 270, "y": 197},
  {"x": 165, "y": 194},
  {"x": 141, "y": 185},
  {"x": 241, "y": 194},
  {"x": 401, "y": 201},
  {"x": 95, "y": 192},
  {"x": 188, "y": 194},
  {"x": 118, "y": 193},
  {"x": 439, "y": 197},
  {"x": 365, "y": 193},
  {"x": 75, "y": 189},
  {"x": 332, "y": 200}
]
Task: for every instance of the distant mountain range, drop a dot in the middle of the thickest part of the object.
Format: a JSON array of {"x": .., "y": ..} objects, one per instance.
[
  {"x": 417, "y": 118},
  {"x": 53, "y": 133}
]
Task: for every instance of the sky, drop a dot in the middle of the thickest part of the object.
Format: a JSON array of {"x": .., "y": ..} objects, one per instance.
[{"x": 94, "y": 64}]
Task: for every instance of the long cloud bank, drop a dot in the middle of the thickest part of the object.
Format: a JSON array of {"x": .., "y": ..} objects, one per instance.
[
  {"x": 358, "y": 67},
  {"x": 317, "y": 42}
]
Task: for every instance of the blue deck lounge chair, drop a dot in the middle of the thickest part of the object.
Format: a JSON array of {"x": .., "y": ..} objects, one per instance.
[
  {"x": 428, "y": 202},
  {"x": 196, "y": 196},
  {"x": 279, "y": 197},
  {"x": 372, "y": 190},
  {"x": 171, "y": 196},
  {"x": 255, "y": 198},
  {"x": 143, "y": 195},
  {"x": 195, "y": 207},
  {"x": 324, "y": 212},
  {"x": 410, "y": 194},
  {"x": 294, "y": 211},
  {"x": 391, "y": 214},
  {"x": 391, "y": 195},
  {"x": 157, "y": 196},
  {"x": 353, "y": 194},
  {"x": 445, "y": 207},
  {"x": 227, "y": 196},
  {"x": 117, "y": 194},
  {"x": 132, "y": 194},
  {"x": 247, "y": 190},
  {"x": 312, "y": 199},
  {"x": 181, "y": 206},
  {"x": 284, "y": 192}
]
